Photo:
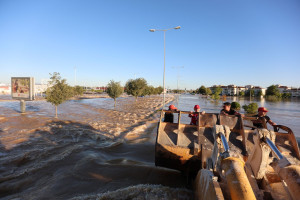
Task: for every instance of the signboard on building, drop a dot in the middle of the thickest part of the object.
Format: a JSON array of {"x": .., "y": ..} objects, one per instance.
[{"x": 22, "y": 88}]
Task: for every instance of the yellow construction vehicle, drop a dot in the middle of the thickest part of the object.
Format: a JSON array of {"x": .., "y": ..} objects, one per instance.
[{"x": 228, "y": 158}]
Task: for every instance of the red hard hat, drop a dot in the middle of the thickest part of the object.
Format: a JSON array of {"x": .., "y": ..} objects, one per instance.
[
  {"x": 172, "y": 107},
  {"x": 196, "y": 107},
  {"x": 263, "y": 109}
]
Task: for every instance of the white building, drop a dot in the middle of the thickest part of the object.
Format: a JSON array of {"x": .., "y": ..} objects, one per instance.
[
  {"x": 229, "y": 90},
  {"x": 258, "y": 89},
  {"x": 240, "y": 89},
  {"x": 295, "y": 92},
  {"x": 283, "y": 89},
  {"x": 248, "y": 87},
  {"x": 39, "y": 89},
  {"x": 5, "y": 89}
]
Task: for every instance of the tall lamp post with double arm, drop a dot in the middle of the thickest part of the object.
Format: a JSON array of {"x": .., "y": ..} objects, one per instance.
[{"x": 164, "y": 30}]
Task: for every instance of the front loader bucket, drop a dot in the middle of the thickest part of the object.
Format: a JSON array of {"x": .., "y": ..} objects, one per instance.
[{"x": 183, "y": 147}]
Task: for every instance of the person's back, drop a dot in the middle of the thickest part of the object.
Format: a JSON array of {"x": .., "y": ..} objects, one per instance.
[{"x": 169, "y": 117}]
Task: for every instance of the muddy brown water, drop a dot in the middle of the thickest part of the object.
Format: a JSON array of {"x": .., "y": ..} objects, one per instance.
[
  {"x": 96, "y": 151},
  {"x": 92, "y": 151}
]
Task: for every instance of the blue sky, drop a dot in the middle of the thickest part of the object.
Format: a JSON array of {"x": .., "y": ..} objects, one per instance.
[{"x": 220, "y": 42}]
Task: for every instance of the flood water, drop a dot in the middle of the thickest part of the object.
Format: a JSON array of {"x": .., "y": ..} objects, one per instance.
[
  {"x": 92, "y": 151},
  {"x": 281, "y": 112},
  {"x": 96, "y": 151}
]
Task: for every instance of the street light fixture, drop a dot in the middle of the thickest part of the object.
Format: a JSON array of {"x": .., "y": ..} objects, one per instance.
[{"x": 164, "y": 30}]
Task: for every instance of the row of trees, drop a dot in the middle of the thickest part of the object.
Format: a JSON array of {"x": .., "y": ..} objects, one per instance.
[
  {"x": 139, "y": 87},
  {"x": 215, "y": 92},
  {"x": 135, "y": 87},
  {"x": 60, "y": 91},
  {"x": 272, "y": 91}
]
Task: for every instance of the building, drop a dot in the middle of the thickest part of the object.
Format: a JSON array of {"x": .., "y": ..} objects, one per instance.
[
  {"x": 5, "y": 89},
  {"x": 258, "y": 89},
  {"x": 283, "y": 89},
  {"x": 295, "y": 92},
  {"x": 240, "y": 89},
  {"x": 233, "y": 90},
  {"x": 249, "y": 87},
  {"x": 229, "y": 90},
  {"x": 40, "y": 89}
]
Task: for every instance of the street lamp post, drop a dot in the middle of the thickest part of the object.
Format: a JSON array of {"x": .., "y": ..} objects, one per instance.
[{"x": 164, "y": 30}]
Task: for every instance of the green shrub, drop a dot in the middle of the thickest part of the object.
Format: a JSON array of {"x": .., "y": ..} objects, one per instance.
[
  {"x": 251, "y": 108},
  {"x": 235, "y": 106}
]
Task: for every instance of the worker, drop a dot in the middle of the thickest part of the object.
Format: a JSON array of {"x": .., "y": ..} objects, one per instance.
[
  {"x": 195, "y": 116},
  {"x": 262, "y": 114},
  {"x": 227, "y": 109},
  {"x": 169, "y": 116}
]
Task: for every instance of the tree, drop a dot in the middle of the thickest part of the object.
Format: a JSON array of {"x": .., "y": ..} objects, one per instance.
[
  {"x": 252, "y": 92},
  {"x": 59, "y": 92},
  {"x": 286, "y": 95},
  {"x": 159, "y": 90},
  {"x": 135, "y": 87},
  {"x": 114, "y": 90},
  {"x": 78, "y": 90},
  {"x": 177, "y": 91},
  {"x": 251, "y": 108},
  {"x": 216, "y": 92},
  {"x": 242, "y": 93},
  {"x": 235, "y": 106},
  {"x": 273, "y": 91},
  {"x": 259, "y": 93},
  {"x": 202, "y": 90},
  {"x": 249, "y": 93},
  {"x": 149, "y": 90},
  {"x": 208, "y": 91}
]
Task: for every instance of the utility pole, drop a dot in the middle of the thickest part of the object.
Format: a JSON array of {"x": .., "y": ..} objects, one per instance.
[
  {"x": 75, "y": 75},
  {"x": 178, "y": 67}
]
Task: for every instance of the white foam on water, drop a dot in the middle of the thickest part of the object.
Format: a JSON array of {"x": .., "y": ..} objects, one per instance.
[{"x": 142, "y": 191}]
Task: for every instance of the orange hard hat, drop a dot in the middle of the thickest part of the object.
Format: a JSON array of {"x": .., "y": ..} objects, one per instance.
[
  {"x": 196, "y": 107},
  {"x": 263, "y": 109},
  {"x": 172, "y": 107}
]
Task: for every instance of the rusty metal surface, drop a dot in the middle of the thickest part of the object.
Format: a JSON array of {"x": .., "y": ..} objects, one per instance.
[
  {"x": 208, "y": 120},
  {"x": 232, "y": 121},
  {"x": 186, "y": 148},
  {"x": 286, "y": 142},
  {"x": 177, "y": 158},
  {"x": 167, "y": 133}
]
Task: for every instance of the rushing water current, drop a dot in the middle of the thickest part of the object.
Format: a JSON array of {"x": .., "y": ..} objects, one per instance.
[{"x": 94, "y": 151}]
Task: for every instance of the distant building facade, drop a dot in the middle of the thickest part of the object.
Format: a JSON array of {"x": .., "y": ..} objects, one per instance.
[
  {"x": 233, "y": 90},
  {"x": 5, "y": 89}
]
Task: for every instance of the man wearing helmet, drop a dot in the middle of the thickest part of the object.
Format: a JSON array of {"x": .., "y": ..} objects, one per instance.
[
  {"x": 195, "y": 116},
  {"x": 262, "y": 114},
  {"x": 227, "y": 109},
  {"x": 169, "y": 117}
]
